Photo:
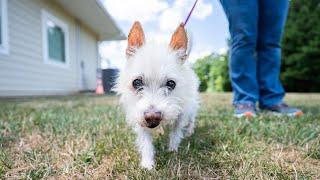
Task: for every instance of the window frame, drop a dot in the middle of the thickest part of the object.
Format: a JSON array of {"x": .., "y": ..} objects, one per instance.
[
  {"x": 63, "y": 25},
  {"x": 4, "y": 46}
]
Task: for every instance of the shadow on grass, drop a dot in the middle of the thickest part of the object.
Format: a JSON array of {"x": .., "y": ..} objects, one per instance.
[
  {"x": 222, "y": 143},
  {"x": 199, "y": 156}
]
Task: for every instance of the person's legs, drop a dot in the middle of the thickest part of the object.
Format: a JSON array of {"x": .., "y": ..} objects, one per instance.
[
  {"x": 243, "y": 24},
  {"x": 272, "y": 17}
]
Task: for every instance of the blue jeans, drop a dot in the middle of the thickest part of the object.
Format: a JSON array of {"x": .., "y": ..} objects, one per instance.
[{"x": 255, "y": 54}]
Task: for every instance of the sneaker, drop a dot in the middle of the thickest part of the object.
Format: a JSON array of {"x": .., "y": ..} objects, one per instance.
[
  {"x": 283, "y": 109},
  {"x": 245, "y": 110}
]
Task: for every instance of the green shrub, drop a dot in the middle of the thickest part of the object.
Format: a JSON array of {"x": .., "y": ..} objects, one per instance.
[
  {"x": 301, "y": 47},
  {"x": 212, "y": 71}
]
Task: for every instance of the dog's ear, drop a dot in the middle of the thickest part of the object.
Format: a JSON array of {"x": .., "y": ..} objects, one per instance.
[
  {"x": 135, "y": 39},
  {"x": 179, "y": 42}
]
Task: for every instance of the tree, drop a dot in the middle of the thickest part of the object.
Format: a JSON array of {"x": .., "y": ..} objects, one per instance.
[
  {"x": 301, "y": 47},
  {"x": 202, "y": 69},
  {"x": 212, "y": 71}
]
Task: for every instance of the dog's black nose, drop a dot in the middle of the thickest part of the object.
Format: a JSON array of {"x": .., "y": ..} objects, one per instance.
[{"x": 152, "y": 118}]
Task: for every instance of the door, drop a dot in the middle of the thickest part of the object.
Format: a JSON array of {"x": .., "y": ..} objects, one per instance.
[{"x": 80, "y": 61}]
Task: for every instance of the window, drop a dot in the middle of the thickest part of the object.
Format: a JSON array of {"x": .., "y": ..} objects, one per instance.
[
  {"x": 55, "y": 40},
  {"x": 4, "y": 46}
]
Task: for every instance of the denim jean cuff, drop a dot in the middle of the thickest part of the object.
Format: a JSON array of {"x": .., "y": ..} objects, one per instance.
[
  {"x": 244, "y": 102},
  {"x": 263, "y": 106}
]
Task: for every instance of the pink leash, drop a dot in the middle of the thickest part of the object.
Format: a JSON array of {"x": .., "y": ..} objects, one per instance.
[{"x": 186, "y": 21}]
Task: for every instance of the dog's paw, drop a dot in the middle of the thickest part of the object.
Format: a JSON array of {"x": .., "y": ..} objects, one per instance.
[
  {"x": 173, "y": 148},
  {"x": 189, "y": 132},
  {"x": 147, "y": 164},
  {"x": 173, "y": 145}
]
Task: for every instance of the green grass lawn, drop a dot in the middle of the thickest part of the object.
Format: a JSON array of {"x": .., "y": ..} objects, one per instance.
[{"x": 86, "y": 137}]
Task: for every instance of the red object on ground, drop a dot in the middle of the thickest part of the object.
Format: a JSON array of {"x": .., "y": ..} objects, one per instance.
[{"x": 99, "y": 89}]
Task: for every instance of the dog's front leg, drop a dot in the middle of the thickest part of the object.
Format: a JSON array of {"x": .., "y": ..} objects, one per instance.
[
  {"x": 176, "y": 134},
  {"x": 145, "y": 146}
]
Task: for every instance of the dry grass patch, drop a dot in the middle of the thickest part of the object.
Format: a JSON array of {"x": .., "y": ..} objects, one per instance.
[{"x": 86, "y": 137}]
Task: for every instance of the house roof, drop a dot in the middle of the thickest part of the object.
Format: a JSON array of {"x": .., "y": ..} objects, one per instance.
[{"x": 93, "y": 14}]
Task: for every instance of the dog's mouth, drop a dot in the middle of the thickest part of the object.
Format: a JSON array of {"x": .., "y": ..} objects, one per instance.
[{"x": 152, "y": 123}]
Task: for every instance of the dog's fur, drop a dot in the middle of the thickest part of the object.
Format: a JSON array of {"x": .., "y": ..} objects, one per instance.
[{"x": 155, "y": 64}]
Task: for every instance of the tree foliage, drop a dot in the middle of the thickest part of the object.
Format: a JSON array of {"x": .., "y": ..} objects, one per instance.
[
  {"x": 301, "y": 47},
  {"x": 212, "y": 71}
]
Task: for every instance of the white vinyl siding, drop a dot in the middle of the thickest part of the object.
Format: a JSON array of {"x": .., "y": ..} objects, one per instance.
[
  {"x": 4, "y": 45},
  {"x": 25, "y": 71},
  {"x": 55, "y": 40}
]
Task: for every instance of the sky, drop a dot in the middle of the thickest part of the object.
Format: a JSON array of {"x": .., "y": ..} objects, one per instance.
[{"x": 207, "y": 25}]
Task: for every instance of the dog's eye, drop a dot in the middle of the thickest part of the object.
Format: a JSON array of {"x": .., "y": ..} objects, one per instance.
[
  {"x": 171, "y": 84},
  {"x": 137, "y": 83}
]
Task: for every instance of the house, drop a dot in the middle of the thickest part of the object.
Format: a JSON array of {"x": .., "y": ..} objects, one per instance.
[{"x": 50, "y": 47}]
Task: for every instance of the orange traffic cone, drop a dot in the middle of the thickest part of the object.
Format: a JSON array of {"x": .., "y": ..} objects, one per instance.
[{"x": 99, "y": 89}]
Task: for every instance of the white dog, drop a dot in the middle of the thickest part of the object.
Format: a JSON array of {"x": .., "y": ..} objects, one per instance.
[{"x": 157, "y": 88}]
